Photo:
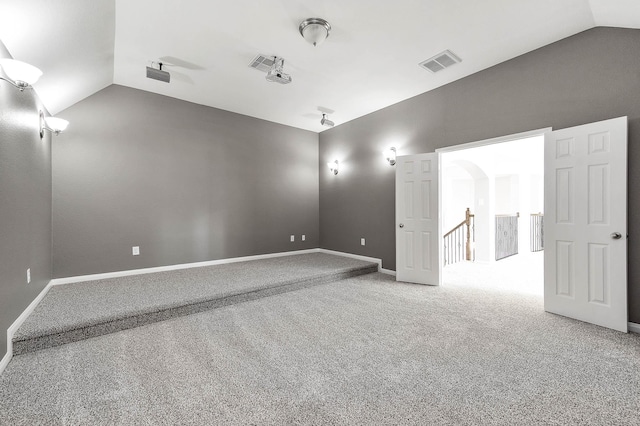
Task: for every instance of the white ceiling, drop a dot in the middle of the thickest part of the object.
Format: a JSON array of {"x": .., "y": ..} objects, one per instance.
[{"x": 369, "y": 61}]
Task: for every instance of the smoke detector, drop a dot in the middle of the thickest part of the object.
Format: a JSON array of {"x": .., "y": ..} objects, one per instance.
[
  {"x": 276, "y": 74},
  {"x": 440, "y": 61}
]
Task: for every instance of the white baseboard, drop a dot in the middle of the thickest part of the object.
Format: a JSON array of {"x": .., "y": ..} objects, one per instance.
[
  {"x": 388, "y": 271},
  {"x": 634, "y": 328},
  {"x": 17, "y": 323},
  {"x": 353, "y": 256},
  {"x": 93, "y": 277},
  {"x": 5, "y": 360}
]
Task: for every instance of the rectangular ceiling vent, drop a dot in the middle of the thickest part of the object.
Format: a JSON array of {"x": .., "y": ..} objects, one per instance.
[
  {"x": 262, "y": 63},
  {"x": 441, "y": 61}
]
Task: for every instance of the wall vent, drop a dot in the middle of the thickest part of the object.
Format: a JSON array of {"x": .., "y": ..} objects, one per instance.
[
  {"x": 262, "y": 63},
  {"x": 440, "y": 61}
]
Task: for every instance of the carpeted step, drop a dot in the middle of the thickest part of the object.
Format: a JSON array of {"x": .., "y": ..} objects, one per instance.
[{"x": 73, "y": 312}]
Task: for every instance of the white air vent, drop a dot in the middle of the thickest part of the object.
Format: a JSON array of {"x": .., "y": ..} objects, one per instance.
[
  {"x": 441, "y": 61},
  {"x": 262, "y": 63}
]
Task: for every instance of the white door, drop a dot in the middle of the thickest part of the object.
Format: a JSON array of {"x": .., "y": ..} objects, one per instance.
[
  {"x": 585, "y": 223},
  {"x": 417, "y": 221}
]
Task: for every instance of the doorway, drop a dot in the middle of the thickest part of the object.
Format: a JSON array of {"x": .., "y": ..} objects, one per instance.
[
  {"x": 494, "y": 191},
  {"x": 585, "y": 234}
]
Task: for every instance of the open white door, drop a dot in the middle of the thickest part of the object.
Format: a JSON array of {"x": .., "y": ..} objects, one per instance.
[
  {"x": 585, "y": 223},
  {"x": 417, "y": 221}
]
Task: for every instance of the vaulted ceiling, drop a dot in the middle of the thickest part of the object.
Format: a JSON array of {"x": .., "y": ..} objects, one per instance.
[{"x": 369, "y": 61}]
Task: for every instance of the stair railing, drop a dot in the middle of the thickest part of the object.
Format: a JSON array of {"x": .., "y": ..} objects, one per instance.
[
  {"x": 506, "y": 235},
  {"x": 536, "y": 229},
  {"x": 458, "y": 244}
]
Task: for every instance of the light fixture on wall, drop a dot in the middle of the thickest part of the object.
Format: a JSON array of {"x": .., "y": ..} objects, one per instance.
[
  {"x": 19, "y": 74},
  {"x": 314, "y": 30},
  {"x": 53, "y": 124},
  {"x": 390, "y": 155},
  {"x": 326, "y": 122},
  {"x": 333, "y": 167}
]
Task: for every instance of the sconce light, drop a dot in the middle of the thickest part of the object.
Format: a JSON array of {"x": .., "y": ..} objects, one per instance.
[
  {"x": 333, "y": 167},
  {"x": 390, "y": 156},
  {"x": 19, "y": 74},
  {"x": 53, "y": 124}
]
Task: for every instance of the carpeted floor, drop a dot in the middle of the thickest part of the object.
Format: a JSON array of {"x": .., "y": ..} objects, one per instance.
[
  {"x": 366, "y": 350},
  {"x": 73, "y": 312}
]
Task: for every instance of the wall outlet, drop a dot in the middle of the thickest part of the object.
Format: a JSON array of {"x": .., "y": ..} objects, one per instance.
[
  {"x": 361, "y": 241},
  {"x": 135, "y": 250},
  {"x": 304, "y": 237},
  {"x": 29, "y": 276},
  {"x": 293, "y": 238}
]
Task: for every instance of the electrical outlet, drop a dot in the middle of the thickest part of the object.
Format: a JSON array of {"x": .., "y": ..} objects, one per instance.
[
  {"x": 29, "y": 276},
  {"x": 361, "y": 241},
  {"x": 135, "y": 250},
  {"x": 304, "y": 237},
  {"x": 293, "y": 238}
]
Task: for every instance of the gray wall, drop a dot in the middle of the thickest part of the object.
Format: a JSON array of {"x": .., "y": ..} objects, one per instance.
[
  {"x": 592, "y": 76},
  {"x": 186, "y": 183},
  {"x": 25, "y": 203}
]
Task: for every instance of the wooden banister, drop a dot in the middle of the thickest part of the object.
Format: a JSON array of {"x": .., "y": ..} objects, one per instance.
[{"x": 454, "y": 251}]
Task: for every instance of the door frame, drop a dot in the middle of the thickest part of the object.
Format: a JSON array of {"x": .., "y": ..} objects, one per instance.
[
  {"x": 476, "y": 144},
  {"x": 538, "y": 132}
]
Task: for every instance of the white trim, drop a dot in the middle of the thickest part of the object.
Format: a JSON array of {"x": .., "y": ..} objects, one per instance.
[
  {"x": 634, "y": 328},
  {"x": 5, "y": 361},
  {"x": 93, "y": 277},
  {"x": 353, "y": 256},
  {"x": 17, "y": 323},
  {"x": 388, "y": 271},
  {"x": 500, "y": 139}
]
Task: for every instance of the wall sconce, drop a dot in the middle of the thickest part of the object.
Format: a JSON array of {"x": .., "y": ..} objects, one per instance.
[
  {"x": 53, "y": 124},
  {"x": 390, "y": 156},
  {"x": 333, "y": 167},
  {"x": 19, "y": 74}
]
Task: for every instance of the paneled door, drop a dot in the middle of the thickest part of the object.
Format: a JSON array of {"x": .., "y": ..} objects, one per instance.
[
  {"x": 417, "y": 221},
  {"x": 585, "y": 253}
]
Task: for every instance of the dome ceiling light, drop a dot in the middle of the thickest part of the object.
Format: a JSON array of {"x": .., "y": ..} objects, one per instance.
[{"x": 315, "y": 30}]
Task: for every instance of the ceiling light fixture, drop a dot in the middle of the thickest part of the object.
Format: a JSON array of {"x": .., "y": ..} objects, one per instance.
[
  {"x": 333, "y": 167},
  {"x": 390, "y": 155},
  {"x": 53, "y": 124},
  {"x": 326, "y": 122},
  {"x": 276, "y": 73},
  {"x": 314, "y": 30},
  {"x": 19, "y": 74}
]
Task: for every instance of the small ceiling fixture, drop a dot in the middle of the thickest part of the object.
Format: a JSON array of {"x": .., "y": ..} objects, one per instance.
[
  {"x": 333, "y": 167},
  {"x": 53, "y": 124},
  {"x": 326, "y": 122},
  {"x": 19, "y": 74},
  {"x": 276, "y": 73},
  {"x": 440, "y": 61},
  {"x": 158, "y": 73},
  {"x": 314, "y": 30},
  {"x": 390, "y": 155}
]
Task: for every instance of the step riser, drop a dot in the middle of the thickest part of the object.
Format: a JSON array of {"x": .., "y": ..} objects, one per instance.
[{"x": 74, "y": 335}]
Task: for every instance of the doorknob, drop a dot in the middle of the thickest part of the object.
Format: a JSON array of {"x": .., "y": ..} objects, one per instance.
[
  {"x": 401, "y": 225},
  {"x": 616, "y": 235}
]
